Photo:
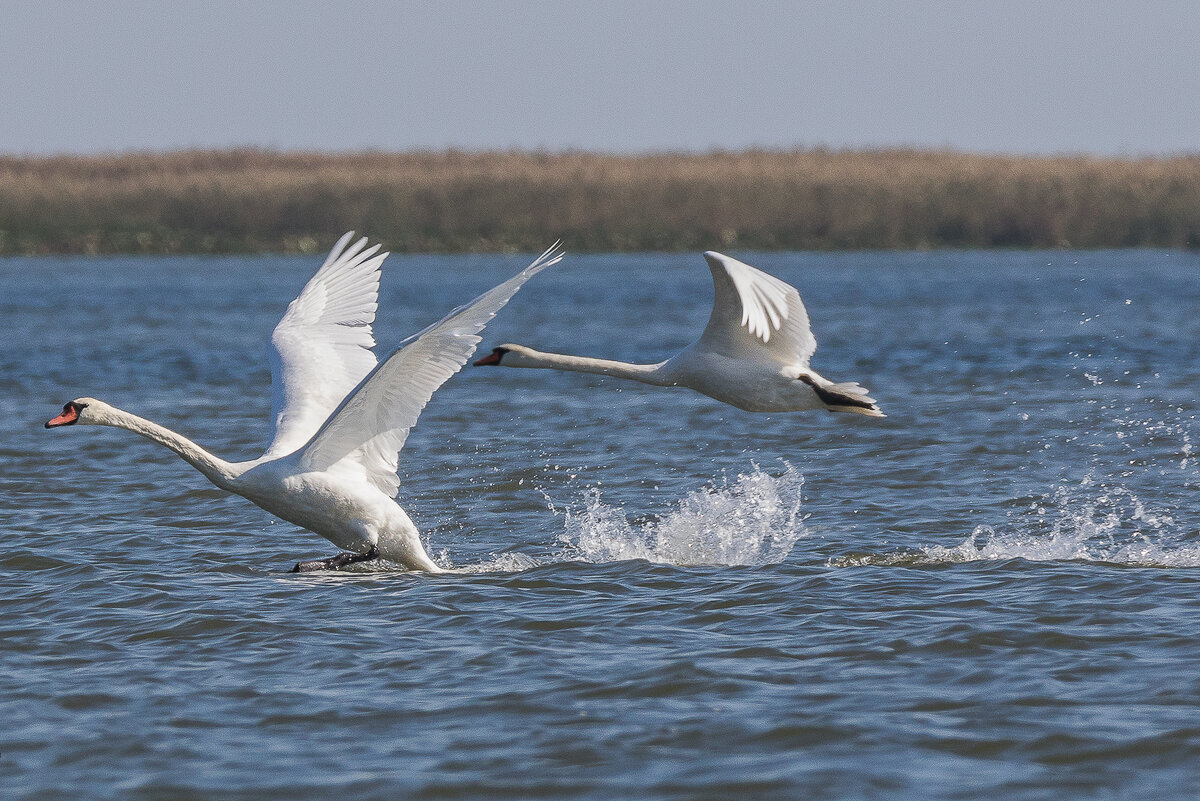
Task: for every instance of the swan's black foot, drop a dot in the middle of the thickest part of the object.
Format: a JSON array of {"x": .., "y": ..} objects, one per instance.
[{"x": 335, "y": 562}]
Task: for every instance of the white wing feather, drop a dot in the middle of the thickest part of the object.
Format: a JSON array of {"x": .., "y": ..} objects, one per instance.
[
  {"x": 321, "y": 349},
  {"x": 754, "y": 311},
  {"x": 372, "y": 423}
]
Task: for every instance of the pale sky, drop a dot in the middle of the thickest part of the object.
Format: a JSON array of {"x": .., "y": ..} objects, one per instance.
[{"x": 1039, "y": 76}]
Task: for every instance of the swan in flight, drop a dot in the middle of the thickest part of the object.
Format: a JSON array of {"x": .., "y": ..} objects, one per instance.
[
  {"x": 338, "y": 418},
  {"x": 753, "y": 354}
]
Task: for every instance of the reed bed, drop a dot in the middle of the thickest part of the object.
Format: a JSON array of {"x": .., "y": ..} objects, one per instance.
[{"x": 249, "y": 200}]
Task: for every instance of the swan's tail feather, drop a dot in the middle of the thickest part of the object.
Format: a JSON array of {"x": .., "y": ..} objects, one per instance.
[{"x": 849, "y": 396}]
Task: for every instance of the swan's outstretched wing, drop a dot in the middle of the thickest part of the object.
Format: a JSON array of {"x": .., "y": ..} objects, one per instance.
[
  {"x": 370, "y": 426},
  {"x": 321, "y": 349},
  {"x": 754, "y": 311}
]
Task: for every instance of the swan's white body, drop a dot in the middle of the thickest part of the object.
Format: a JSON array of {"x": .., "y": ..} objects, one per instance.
[
  {"x": 339, "y": 419},
  {"x": 753, "y": 354}
]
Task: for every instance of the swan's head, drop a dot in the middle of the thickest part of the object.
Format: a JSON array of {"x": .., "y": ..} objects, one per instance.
[
  {"x": 83, "y": 411},
  {"x": 495, "y": 357}
]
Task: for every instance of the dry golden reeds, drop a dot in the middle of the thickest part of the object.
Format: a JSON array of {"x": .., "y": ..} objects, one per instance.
[{"x": 254, "y": 200}]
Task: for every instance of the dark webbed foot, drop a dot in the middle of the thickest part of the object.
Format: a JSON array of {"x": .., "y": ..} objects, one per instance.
[{"x": 335, "y": 562}]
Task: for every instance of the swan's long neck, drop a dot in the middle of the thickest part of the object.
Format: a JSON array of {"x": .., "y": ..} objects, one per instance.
[
  {"x": 646, "y": 373},
  {"x": 215, "y": 469}
]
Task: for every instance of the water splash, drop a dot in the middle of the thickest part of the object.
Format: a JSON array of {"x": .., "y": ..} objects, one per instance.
[
  {"x": 753, "y": 520},
  {"x": 1138, "y": 551},
  {"x": 1132, "y": 439},
  {"x": 1089, "y": 523}
]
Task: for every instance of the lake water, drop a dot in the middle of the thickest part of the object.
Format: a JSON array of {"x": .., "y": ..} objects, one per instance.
[{"x": 991, "y": 593}]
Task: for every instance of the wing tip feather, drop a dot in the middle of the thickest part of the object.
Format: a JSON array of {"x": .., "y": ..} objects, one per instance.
[{"x": 550, "y": 256}]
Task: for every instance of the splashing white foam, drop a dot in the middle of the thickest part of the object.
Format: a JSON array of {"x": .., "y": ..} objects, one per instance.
[
  {"x": 1139, "y": 551},
  {"x": 753, "y": 520},
  {"x": 1113, "y": 527},
  {"x": 1130, "y": 445}
]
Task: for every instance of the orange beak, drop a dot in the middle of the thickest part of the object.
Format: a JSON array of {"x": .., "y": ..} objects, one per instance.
[
  {"x": 69, "y": 415},
  {"x": 491, "y": 358}
]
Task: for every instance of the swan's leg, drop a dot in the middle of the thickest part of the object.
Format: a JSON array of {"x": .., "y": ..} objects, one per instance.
[{"x": 336, "y": 562}]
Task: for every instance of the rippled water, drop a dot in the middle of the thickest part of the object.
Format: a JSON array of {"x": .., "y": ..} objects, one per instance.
[{"x": 992, "y": 593}]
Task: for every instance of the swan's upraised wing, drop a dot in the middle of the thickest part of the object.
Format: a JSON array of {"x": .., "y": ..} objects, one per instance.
[
  {"x": 321, "y": 349},
  {"x": 756, "y": 311},
  {"x": 371, "y": 425}
]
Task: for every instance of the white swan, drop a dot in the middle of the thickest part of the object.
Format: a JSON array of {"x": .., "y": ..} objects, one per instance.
[
  {"x": 753, "y": 354},
  {"x": 338, "y": 418}
]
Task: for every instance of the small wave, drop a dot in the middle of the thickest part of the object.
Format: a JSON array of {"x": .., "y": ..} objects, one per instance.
[
  {"x": 753, "y": 520},
  {"x": 499, "y": 563}
]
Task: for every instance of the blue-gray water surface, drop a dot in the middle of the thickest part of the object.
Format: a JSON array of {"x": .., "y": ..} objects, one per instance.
[{"x": 991, "y": 593}]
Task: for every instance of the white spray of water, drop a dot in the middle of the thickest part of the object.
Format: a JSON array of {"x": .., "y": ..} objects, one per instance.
[
  {"x": 1113, "y": 526},
  {"x": 1087, "y": 523},
  {"x": 1100, "y": 518},
  {"x": 753, "y": 520}
]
